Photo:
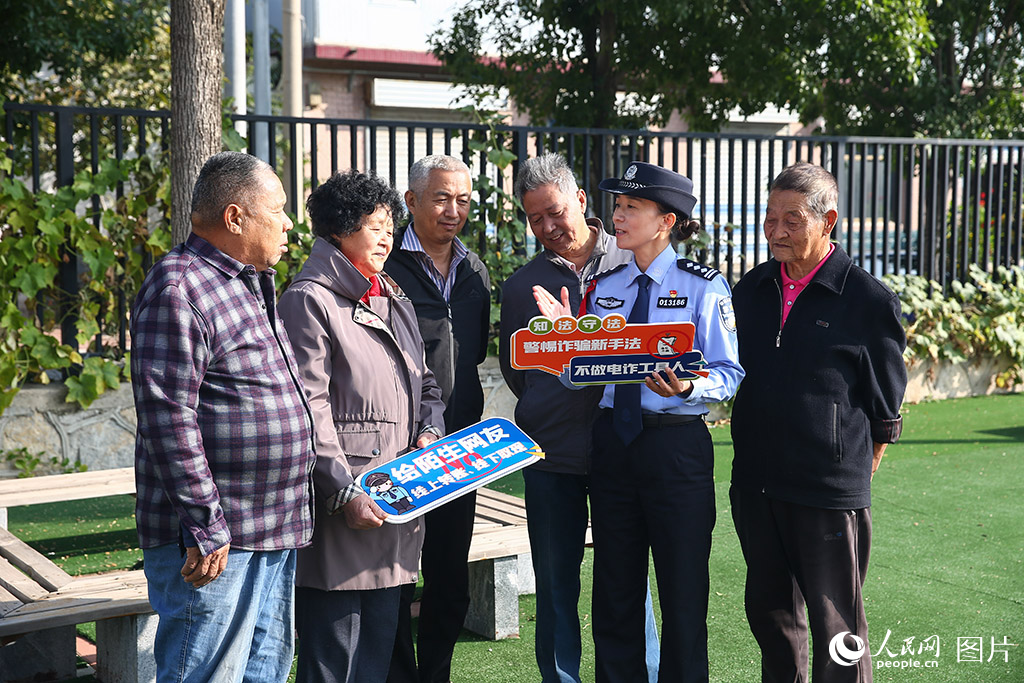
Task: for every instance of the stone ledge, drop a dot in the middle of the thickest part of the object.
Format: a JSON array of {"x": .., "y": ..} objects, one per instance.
[
  {"x": 930, "y": 380},
  {"x": 103, "y": 436}
]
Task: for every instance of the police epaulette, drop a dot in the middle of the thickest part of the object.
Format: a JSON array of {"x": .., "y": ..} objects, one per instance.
[
  {"x": 694, "y": 268},
  {"x": 601, "y": 274}
]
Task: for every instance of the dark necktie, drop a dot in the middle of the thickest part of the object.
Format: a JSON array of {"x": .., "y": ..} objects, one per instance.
[{"x": 627, "y": 420}]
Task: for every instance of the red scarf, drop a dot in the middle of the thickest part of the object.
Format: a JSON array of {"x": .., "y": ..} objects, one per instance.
[{"x": 374, "y": 290}]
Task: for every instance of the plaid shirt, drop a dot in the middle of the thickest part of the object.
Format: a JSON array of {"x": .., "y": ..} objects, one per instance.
[{"x": 224, "y": 448}]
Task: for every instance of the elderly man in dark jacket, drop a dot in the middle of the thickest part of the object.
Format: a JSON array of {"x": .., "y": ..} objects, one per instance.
[
  {"x": 822, "y": 345},
  {"x": 451, "y": 292}
]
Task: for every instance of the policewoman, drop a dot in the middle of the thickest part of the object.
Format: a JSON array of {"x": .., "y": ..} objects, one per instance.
[{"x": 652, "y": 489}]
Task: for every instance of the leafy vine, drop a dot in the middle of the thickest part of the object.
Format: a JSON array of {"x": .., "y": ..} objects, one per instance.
[{"x": 112, "y": 224}]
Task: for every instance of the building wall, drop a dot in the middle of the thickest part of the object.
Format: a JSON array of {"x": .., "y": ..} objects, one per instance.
[{"x": 394, "y": 24}]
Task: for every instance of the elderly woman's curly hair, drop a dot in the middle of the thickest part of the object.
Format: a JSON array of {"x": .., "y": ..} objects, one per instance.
[{"x": 339, "y": 206}]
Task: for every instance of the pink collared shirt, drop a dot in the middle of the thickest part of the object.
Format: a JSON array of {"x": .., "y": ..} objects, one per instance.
[{"x": 791, "y": 288}]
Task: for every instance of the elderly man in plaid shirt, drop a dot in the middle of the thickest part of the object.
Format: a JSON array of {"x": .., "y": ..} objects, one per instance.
[{"x": 224, "y": 449}]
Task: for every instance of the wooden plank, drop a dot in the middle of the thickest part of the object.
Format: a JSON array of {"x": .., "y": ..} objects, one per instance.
[
  {"x": 518, "y": 511},
  {"x": 86, "y": 598},
  {"x": 122, "y": 578},
  {"x": 500, "y": 508},
  {"x": 506, "y": 542},
  {"x": 27, "y": 559},
  {"x": 24, "y": 588},
  {"x": 60, "y": 487},
  {"x": 496, "y": 498},
  {"x": 499, "y": 517},
  {"x": 8, "y": 602},
  {"x": 47, "y": 614}
]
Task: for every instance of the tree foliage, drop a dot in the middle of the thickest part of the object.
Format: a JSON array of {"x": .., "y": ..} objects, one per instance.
[
  {"x": 972, "y": 84},
  {"x": 883, "y": 67},
  {"x": 564, "y": 60},
  {"x": 86, "y": 52}
]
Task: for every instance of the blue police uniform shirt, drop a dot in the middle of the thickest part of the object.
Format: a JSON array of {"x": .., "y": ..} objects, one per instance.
[{"x": 679, "y": 295}]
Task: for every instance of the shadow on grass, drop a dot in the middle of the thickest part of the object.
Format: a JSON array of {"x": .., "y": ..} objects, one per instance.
[
  {"x": 92, "y": 543},
  {"x": 1011, "y": 433}
]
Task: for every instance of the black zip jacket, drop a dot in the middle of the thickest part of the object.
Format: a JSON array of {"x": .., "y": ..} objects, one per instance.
[
  {"x": 557, "y": 418},
  {"x": 820, "y": 391},
  {"x": 455, "y": 335}
]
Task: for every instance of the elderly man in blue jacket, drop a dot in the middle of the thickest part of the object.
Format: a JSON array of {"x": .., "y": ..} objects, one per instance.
[{"x": 822, "y": 345}]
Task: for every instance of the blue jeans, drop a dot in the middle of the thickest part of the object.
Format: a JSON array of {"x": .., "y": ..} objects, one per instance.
[
  {"x": 239, "y": 627},
  {"x": 557, "y": 514}
]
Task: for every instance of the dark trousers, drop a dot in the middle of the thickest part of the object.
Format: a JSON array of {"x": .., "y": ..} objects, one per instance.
[
  {"x": 655, "y": 496},
  {"x": 445, "y": 600},
  {"x": 345, "y": 636},
  {"x": 802, "y": 558}
]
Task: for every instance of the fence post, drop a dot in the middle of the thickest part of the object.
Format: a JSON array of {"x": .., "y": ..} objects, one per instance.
[
  {"x": 840, "y": 171},
  {"x": 68, "y": 304}
]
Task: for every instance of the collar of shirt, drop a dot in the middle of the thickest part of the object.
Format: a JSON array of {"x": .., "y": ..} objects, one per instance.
[
  {"x": 568, "y": 264},
  {"x": 658, "y": 268},
  {"x": 217, "y": 258},
  {"x": 411, "y": 243},
  {"x": 791, "y": 288},
  {"x": 374, "y": 290}
]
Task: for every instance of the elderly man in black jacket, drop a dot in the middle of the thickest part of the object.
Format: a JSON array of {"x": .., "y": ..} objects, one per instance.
[
  {"x": 451, "y": 292},
  {"x": 822, "y": 346}
]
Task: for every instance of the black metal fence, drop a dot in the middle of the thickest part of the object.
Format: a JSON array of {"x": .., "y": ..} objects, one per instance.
[{"x": 917, "y": 206}]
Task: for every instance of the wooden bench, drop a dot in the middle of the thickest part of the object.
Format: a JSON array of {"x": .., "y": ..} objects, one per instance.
[{"x": 36, "y": 595}]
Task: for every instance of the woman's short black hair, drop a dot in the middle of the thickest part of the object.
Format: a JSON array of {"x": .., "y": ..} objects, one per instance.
[{"x": 338, "y": 207}]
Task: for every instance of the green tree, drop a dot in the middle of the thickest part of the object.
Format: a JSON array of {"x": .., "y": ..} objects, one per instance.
[
  {"x": 939, "y": 68},
  {"x": 563, "y": 61},
  {"x": 972, "y": 84},
  {"x": 86, "y": 52},
  {"x": 886, "y": 67}
]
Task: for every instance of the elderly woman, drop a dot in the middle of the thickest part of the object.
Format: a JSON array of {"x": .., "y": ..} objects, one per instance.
[{"x": 360, "y": 356}]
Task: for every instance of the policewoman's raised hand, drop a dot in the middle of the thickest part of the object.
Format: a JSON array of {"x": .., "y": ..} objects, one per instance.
[
  {"x": 549, "y": 306},
  {"x": 665, "y": 384},
  {"x": 362, "y": 513}
]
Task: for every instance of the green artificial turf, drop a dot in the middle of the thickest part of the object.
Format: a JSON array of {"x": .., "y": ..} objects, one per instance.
[{"x": 947, "y": 556}]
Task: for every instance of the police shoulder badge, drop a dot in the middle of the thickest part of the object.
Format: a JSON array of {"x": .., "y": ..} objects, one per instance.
[
  {"x": 727, "y": 312},
  {"x": 698, "y": 269}
]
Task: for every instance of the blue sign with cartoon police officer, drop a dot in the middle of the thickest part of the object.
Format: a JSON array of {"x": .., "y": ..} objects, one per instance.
[{"x": 424, "y": 479}]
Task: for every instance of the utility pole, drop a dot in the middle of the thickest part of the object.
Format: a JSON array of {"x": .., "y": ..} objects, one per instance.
[
  {"x": 291, "y": 86},
  {"x": 261, "y": 75},
  {"x": 234, "y": 59}
]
